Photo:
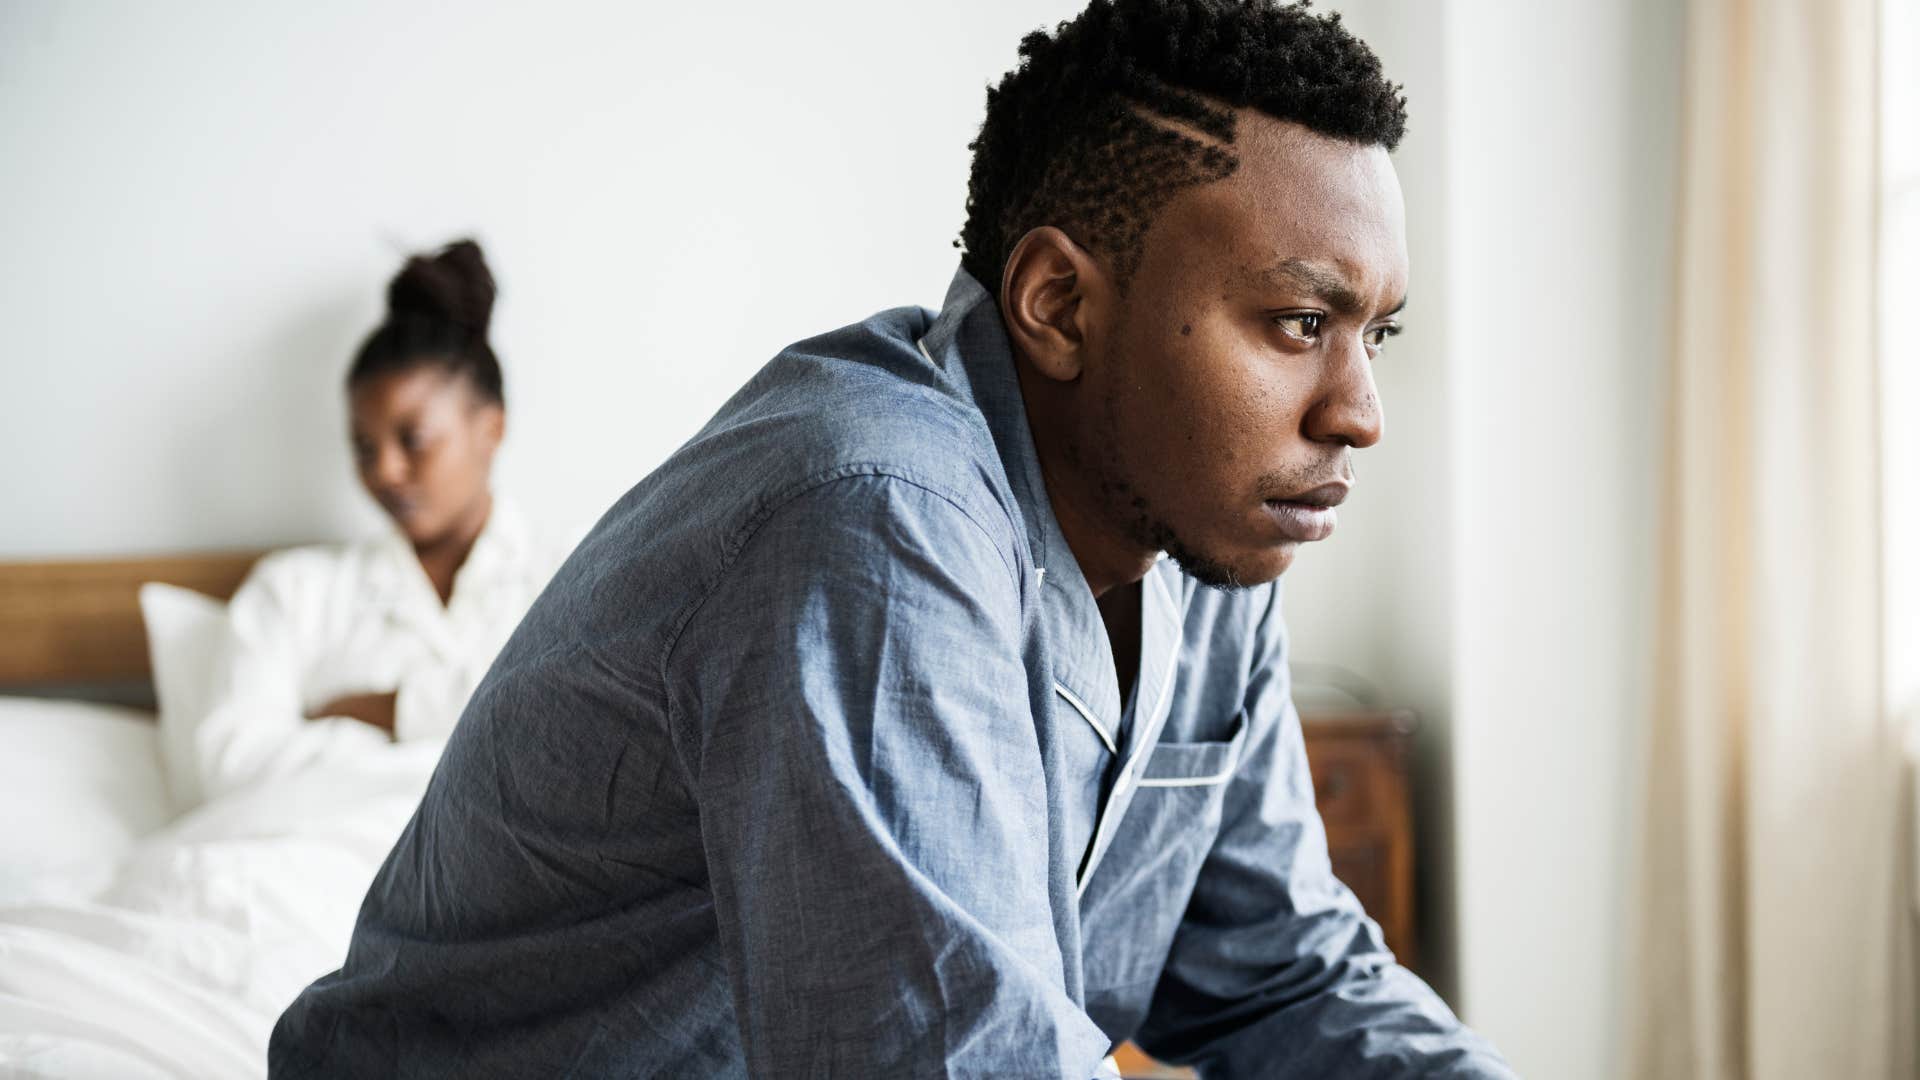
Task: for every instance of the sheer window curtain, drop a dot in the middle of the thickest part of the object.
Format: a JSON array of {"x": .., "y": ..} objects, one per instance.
[
  {"x": 1900, "y": 380},
  {"x": 1900, "y": 425},
  {"x": 1776, "y": 914}
]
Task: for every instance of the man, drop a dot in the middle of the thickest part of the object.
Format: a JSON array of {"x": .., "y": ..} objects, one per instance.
[{"x": 871, "y": 735}]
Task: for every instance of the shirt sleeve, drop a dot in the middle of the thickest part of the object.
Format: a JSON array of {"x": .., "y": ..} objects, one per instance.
[
  {"x": 1275, "y": 970},
  {"x": 255, "y": 727},
  {"x": 871, "y": 797}
]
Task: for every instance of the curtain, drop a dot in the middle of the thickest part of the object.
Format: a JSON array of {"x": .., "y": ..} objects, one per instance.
[{"x": 1774, "y": 925}]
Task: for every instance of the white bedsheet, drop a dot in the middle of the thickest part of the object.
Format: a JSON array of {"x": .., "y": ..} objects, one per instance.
[
  {"x": 180, "y": 965},
  {"x": 79, "y": 785}
]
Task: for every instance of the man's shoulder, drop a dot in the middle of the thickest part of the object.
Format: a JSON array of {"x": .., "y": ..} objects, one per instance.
[
  {"x": 861, "y": 400},
  {"x": 866, "y": 392}
]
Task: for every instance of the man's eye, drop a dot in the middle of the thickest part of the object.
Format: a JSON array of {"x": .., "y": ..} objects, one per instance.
[
  {"x": 1377, "y": 337},
  {"x": 1304, "y": 325}
]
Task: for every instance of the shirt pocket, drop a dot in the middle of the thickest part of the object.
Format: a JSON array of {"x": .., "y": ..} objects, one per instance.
[{"x": 1196, "y": 764}]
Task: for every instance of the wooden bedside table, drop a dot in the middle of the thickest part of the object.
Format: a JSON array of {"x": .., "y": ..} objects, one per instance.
[{"x": 1359, "y": 763}]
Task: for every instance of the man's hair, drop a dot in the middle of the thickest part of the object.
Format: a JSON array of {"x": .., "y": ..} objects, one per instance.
[{"x": 1132, "y": 101}]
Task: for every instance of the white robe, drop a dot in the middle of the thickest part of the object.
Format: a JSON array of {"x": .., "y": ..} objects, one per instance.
[{"x": 313, "y": 624}]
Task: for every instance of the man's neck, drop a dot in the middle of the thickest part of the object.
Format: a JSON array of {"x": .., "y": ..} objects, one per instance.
[{"x": 1106, "y": 558}]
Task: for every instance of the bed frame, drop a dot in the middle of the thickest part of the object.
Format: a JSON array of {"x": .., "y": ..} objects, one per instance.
[{"x": 77, "y": 624}]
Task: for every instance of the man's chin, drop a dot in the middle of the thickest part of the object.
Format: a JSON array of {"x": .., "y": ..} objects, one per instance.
[{"x": 1244, "y": 570}]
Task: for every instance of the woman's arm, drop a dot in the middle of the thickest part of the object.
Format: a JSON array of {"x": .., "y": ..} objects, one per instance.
[
  {"x": 376, "y": 710},
  {"x": 256, "y": 727}
]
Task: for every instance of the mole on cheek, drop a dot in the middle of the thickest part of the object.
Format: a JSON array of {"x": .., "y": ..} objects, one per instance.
[{"x": 1185, "y": 329}]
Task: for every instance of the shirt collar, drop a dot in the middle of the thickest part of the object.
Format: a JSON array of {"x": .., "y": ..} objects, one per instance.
[{"x": 968, "y": 343}]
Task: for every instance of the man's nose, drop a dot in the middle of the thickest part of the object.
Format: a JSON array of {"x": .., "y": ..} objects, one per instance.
[{"x": 1347, "y": 411}]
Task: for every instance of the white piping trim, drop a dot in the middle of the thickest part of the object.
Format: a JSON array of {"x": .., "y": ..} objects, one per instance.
[
  {"x": 1087, "y": 714},
  {"x": 1166, "y": 685},
  {"x": 1233, "y": 762},
  {"x": 1107, "y": 819},
  {"x": 1162, "y": 582},
  {"x": 1195, "y": 781},
  {"x": 921, "y": 344}
]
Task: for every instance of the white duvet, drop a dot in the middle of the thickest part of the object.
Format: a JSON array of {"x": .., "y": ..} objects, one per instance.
[{"x": 181, "y": 962}]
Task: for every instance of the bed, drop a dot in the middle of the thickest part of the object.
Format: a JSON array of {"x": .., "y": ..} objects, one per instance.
[
  {"x": 142, "y": 938},
  {"x": 138, "y": 937}
]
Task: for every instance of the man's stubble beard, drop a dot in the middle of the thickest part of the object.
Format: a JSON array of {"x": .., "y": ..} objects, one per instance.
[{"x": 1124, "y": 504}]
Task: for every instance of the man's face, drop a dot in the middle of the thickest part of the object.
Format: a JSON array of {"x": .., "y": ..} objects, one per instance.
[{"x": 1225, "y": 394}]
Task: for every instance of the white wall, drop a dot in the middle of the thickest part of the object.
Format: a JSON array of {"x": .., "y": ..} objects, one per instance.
[
  {"x": 1494, "y": 569},
  {"x": 1560, "y": 207},
  {"x": 1900, "y": 353},
  {"x": 202, "y": 202}
]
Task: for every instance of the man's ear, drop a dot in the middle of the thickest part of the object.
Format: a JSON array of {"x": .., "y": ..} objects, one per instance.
[{"x": 1048, "y": 292}]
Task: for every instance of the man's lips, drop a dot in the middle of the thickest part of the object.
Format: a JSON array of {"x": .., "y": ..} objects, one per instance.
[
  {"x": 1329, "y": 494},
  {"x": 1306, "y": 516}
]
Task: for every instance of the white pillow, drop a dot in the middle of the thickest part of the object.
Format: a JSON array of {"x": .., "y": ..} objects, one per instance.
[
  {"x": 79, "y": 783},
  {"x": 186, "y": 632}
]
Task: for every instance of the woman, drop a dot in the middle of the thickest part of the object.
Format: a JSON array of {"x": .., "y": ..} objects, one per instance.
[{"x": 334, "y": 648}]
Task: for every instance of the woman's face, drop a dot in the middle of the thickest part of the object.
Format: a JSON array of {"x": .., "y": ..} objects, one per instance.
[{"x": 423, "y": 442}]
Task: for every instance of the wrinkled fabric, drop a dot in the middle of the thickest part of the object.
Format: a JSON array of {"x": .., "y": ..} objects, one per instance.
[{"x": 813, "y": 762}]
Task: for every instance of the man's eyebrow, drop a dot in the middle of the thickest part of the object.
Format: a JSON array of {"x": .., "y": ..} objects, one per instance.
[{"x": 1323, "y": 282}]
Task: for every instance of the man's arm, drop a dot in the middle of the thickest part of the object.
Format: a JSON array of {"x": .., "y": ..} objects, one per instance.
[
  {"x": 852, "y": 704},
  {"x": 1275, "y": 971}
]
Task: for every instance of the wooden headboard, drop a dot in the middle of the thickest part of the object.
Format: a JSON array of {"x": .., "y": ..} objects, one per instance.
[{"x": 78, "y": 622}]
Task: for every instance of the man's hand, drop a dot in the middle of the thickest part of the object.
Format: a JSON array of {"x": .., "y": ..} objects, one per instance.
[{"x": 374, "y": 709}]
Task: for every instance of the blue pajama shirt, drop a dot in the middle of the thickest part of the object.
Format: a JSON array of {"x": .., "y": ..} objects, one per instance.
[{"x": 812, "y": 762}]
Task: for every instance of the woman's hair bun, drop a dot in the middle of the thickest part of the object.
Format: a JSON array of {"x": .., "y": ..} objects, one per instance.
[
  {"x": 438, "y": 308},
  {"x": 452, "y": 285}
]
